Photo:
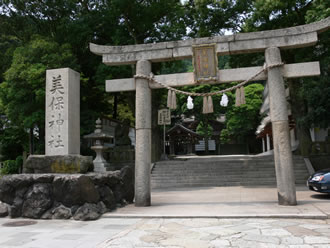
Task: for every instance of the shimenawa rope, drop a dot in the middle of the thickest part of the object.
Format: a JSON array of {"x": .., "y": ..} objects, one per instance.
[{"x": 207, "y": 101}]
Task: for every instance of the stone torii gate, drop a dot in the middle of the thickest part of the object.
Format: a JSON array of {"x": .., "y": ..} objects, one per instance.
[{"x": 269, "y": 42}]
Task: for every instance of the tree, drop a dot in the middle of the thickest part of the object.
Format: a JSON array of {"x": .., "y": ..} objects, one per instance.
[
  {"x": 77, "y": 23},
  {"x": 197, "y": 111},
  {"x": 151, "y": 20},
  {"x": 205, "y": 129},
  {"x": 14, "y": 140},
  {"x": 209, "y": 17},
  {"x": 242, "y": 121},
  {"x": 23, "y": 92},
  {"x": 309, "y": 97},
  {"x": 72, "y": 24}
]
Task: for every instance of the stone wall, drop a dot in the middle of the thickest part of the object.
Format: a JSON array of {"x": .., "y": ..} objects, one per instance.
[{"x": 65, "y": 196}]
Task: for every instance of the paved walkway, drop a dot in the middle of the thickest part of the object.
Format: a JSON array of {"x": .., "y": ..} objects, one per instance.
[
  {"x": 60, "y": 233},
  {"x": 218, "y": 233},
  {"x": 174, "y": 222},
  {"x": 168, "y": 233},
  {"x": 228, "y": 202}
]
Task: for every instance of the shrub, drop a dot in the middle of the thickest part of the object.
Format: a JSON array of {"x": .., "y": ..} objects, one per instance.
[{"x": 11, "y": 166}]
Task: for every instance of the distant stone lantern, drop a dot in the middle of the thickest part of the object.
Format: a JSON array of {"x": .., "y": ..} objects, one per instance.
[{"x": 99, "y": 138}]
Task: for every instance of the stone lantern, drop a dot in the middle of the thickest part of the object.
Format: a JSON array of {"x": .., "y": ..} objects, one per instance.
[{"x": 99, "y": 138}]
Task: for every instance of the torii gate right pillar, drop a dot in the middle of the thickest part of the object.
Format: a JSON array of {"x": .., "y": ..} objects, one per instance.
[
  {"x": 285, "y": 178},
  {"x": 143, "y": 136}
]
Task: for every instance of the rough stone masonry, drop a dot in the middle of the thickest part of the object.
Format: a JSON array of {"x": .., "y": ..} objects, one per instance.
[{"x": 65, "y": 196}]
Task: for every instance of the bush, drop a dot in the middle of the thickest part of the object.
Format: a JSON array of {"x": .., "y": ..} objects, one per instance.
[
  {"x": 19, "y": 162},
  {"x": 11, "y": 166}
]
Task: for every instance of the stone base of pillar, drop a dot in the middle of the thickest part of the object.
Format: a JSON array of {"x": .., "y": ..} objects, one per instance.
[
  {"x": 58, "y": 164},
  {"x": 142, "y": 168},
  {"x": 100, "y": 164},
  {"x": 283, "y": 164},
  {"x": 101, "y": 167}
]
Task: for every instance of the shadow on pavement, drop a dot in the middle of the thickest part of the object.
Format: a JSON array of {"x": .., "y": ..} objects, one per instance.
[{"x": 321, "y": 196}]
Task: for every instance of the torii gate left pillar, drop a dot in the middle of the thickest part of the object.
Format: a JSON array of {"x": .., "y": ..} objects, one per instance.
[{"x": 143, "y": 136}]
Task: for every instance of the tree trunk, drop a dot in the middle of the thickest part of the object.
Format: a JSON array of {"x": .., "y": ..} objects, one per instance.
[
  {"x": 305, "y": 140},
  {"x": 41, "y": 140},
  {"x": 206, "y": 136},
  {"x": 31, "y": 143},
  {"x": 156, "y": 147},
  {"x": 206, "y": 139},
  {"x": 115, "y": 106}
]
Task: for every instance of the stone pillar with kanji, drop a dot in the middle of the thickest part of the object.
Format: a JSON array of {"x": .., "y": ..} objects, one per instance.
[
  {"x": 62, "y": 126},
  {"x": 62, "y": 112}
]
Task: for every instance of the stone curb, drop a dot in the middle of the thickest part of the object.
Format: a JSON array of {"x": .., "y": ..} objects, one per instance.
[{"x": 243, "y": 216}]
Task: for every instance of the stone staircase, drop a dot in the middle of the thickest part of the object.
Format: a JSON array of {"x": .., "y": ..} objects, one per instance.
[{"x": 241, "y": 170}]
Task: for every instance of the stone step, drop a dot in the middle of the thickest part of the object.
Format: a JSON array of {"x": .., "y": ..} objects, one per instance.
[
  {"x": 208, "y": 169},
  {"x": 236, "y": 177},
  {"x": 221, "y": 172},
  {"x": 179, "y": 181},
  {"x": 170, "y": 162},
  {"x": 222, "y": 165},
  {"x": 227, "y": 178},
  {"x": 216, "y": 180},
  {"x": 155, "y": 186},
  {"x": 193, "y": 162},
  {"x": 247, "y": 168}
]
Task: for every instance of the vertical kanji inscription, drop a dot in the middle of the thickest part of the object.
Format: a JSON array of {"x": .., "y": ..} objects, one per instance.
[{"x": 62, "y": 112}]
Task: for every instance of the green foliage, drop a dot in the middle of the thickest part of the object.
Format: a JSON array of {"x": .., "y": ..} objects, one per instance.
[
  {"x": 151, "y": 20},
  {"x": 14, "y": 140},
  {"x": 8, "y": 45},
  {"x": 204, "y": 129},
  {"x": 319, "y": 10},
  {"x": 197, "y": 111},
  {"x": 210, "y": 17},
  {"x": 240, "y": 121},
  {"x": 10, "y": 167},
  {"x": 273, "y": 14},
  {"x": 70, "y": 25},
  {"x": 309, "y": 97},
  {"x": 23, "y": 92},
  {"x": 225, "y": 136},
  {"x": 243, "y": 120},
  {"x": 19, "y": 161}
]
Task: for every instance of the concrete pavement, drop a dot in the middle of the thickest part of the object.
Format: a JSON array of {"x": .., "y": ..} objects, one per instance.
[
  {"x": 60, "y": 233},
  {"x": 189, "y": 218},
  {"x": 168, "y": 233},
  {"x": 228, "y": 202},
  {"x": 216, "y": 233}
]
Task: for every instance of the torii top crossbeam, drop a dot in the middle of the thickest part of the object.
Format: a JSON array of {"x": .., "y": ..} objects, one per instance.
[{"x": 294, "y": 37}]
